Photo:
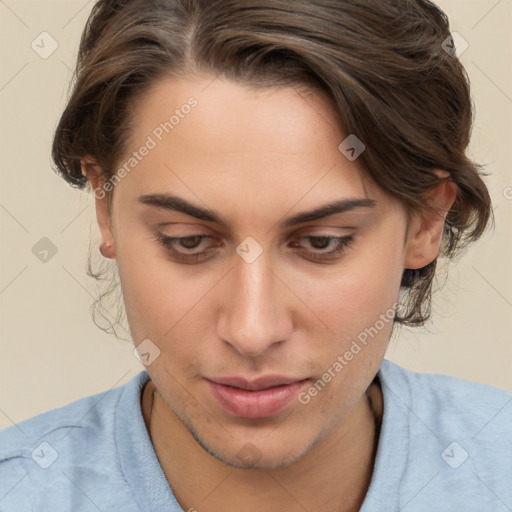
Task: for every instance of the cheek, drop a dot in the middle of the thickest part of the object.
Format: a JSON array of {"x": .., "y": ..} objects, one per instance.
[
  {"x": 152, "y": 298},
  {"x": 161, "y": 297},
  {"x": 357, "y": 304},
  {"x": 364, "y": 286}
]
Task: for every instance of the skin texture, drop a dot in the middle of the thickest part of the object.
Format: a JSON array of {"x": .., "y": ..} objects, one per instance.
[{"x": 257, "y": 156}]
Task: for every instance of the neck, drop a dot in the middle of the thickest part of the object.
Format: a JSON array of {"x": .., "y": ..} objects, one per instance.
[{"x": 334, "y": 474}]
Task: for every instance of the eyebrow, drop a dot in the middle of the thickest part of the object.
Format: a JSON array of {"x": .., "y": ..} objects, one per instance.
[{"x": 171, "y": 202}]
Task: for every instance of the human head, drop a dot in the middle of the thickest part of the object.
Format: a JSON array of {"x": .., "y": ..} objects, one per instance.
[{"x": 328, "y": 70}]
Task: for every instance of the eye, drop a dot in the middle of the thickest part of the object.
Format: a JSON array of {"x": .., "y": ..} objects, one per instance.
[
  {"x": 186, "y": 242},
  {"x": 175, "y": 246},
  {"x": 341, "y": 243}
]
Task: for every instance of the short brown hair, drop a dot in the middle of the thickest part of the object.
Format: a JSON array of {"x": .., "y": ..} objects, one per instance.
[{"x": 382, "y": 62}]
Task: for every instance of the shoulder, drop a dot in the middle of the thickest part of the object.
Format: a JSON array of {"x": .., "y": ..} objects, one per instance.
[
  {"x": 439, "y": 434},
  {"x": 88, "y": 413},
  {"x": 42, "y": 452},
  {"x": 447, "y": 400}
]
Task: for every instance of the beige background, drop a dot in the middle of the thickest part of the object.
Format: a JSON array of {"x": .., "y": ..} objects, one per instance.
[{"x": 51, "y": 353}]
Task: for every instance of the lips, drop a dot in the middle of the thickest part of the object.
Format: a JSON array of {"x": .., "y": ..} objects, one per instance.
[
  {"x": 259, "y": 384},
  {"x": 259, "y": 398}
]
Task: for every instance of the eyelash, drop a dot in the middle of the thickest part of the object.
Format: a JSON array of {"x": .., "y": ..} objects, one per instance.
[{"x": 169, "y": 244}]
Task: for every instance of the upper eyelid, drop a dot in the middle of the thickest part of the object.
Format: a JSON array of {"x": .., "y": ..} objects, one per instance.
[{"x": 317, "y": 230}]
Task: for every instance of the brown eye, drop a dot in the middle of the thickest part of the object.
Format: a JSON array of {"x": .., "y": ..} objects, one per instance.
[
  {"x": 189, "y": 242},
  {"x": 172, "y": 244},
  {"x": 178, "y": 246},
  {"x": 320, "y": 243}
]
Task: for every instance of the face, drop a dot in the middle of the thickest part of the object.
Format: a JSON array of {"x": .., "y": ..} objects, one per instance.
[{"x": 299, "y": 312}]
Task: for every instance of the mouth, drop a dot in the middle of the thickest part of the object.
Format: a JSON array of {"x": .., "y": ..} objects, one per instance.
[{"x": 260, "y": 398}]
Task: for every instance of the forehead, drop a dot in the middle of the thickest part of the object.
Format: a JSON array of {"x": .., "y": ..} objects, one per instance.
[
  {"x": 275, "y": 145},
  {"x": 232, "y": 118}
]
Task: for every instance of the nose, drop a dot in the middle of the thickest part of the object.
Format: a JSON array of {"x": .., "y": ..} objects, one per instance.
[{"x": 254, "y": 316}]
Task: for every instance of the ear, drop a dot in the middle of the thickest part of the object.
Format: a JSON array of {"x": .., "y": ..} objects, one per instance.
[
  {"x": 426, "y": 228},
  {"x": 94, "y": 174}
]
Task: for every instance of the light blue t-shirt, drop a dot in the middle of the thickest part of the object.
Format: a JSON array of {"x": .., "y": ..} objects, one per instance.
[{"x": 445, "y": 445}]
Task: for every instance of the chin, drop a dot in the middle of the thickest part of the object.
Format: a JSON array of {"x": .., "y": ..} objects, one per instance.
[
  {"x": 257, "y": 455},
  {"x": 264, "y": 461}
]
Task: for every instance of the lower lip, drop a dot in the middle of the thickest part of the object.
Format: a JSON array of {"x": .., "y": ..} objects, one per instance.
[{"x": 255, "y": 404}]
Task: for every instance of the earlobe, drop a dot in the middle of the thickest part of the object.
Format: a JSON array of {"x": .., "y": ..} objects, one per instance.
[
  {"x": 426, "y": 228},
  {"x": 94, "y": 174}
]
